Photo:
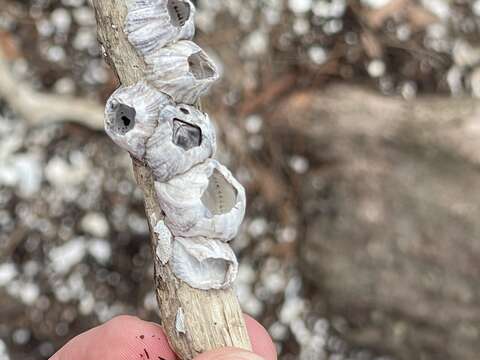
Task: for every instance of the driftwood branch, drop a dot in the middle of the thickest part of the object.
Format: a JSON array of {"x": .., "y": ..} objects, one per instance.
[
  {"x": 39, "y": 108},
  {"x": 213, "y": 318}
]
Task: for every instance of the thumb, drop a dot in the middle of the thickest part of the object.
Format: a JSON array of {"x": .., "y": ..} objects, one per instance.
[{"x": 229, "y": 354}]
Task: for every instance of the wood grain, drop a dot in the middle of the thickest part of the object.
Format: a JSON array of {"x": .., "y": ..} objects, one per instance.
[{"x": 213, "y": 318}]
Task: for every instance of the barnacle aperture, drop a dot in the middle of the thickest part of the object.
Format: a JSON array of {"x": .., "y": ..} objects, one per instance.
[
  {"x": 181, "y": 70},
  {"x": 183, "y": 138},
  {"x": 204, "y": 263},
  {"x": 179, "y": 12},
  {"x": 204, "y": 201},
  {"x": 220, "y": 196},
  {"x": 131, "y": 116},
  {"x": 200, "y": 66},
  {"x": 152, "y": 24},
  {"x": 186, "y": 135},
  {"x": 124, "y": 118}
]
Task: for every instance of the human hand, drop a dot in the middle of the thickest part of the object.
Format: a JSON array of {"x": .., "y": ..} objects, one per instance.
[{"x": 129, "y": 338}]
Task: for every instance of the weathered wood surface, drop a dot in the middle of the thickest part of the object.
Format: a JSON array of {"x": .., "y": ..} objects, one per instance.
[
  {"x": 392, "y": 217},
  {"x": 213, "y": 318}
]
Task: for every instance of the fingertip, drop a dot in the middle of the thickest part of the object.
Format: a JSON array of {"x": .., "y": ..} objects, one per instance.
[
  {"x": 126, "y": 337},
  {"x": 123, "y": 337},
  {"x": 138, "y": 338},
  {"x": 261, "y": 341}
]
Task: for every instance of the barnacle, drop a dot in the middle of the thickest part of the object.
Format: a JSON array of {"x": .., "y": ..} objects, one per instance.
[
  {"x": 204, "y": 263},
  {"x": 205, "y": 201},
  {"x": 159, "y": 124},
  {"x": 152, "y": 24},
  {"x": 131, "y": 115},
  {"x": 182, "y": 70},
  {"x": 184, "y": 138}
]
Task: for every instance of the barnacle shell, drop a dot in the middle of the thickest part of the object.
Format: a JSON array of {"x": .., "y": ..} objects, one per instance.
[
  {"x": 182, "y": 70},
  {"x": 152, "y": 24},
  {"x": 131, "y": 115},
  {"x": 204, "y": 263},
  {"x": 205, "y": 201},
  {"x": 184, "y": 137}
]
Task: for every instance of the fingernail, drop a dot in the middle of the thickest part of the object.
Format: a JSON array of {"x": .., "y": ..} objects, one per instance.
[
  {"x": 239, "y": 356},
  {"x": 229, "y": 355}
]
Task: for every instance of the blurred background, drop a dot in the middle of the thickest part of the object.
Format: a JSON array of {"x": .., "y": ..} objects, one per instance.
[{"x": 354, "y": 126}]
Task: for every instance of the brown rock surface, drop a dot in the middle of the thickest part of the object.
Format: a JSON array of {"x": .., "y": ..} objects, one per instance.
[{"x": 393, "y": 246}]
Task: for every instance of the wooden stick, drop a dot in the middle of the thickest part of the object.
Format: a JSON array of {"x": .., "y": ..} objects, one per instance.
[{"x": 211, "y": 319}]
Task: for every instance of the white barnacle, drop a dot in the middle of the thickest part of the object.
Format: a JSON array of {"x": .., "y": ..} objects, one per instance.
[
  {"x": 204, "y": 263},
  {"x": 164, "y": 242},
  {"x": 152, "y": 24},
  {"x": 205, "y": 201},
  {"x": 131, "y": 115},
  {"x": 183, "y": 138},
  {"x": 182, "y": 70}
]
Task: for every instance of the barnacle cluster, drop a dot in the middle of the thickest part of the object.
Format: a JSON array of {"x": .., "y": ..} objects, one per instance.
[{"x": 157, "y": 122}]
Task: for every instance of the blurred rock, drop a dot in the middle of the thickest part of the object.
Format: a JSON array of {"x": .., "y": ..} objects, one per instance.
[
  {"x": 391, "y": 215},
  {"x": 95, "y": 224}
]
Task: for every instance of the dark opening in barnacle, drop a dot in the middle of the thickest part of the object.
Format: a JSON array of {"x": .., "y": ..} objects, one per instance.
[
  {"x": 200, "y": 66},
  {"x": 179, "y": 12},
  {"x": 220, "y": 196},
  {"x": 186, "y": 135},
  {"x": 124, "y": 119}
]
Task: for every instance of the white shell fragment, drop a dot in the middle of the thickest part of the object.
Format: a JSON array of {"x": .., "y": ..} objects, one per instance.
[
  {"x": 152, "y": 24},
  {"x": 184, "y": 137},
  {"x": 131, "y": 115},
  {"x": 164, "y": 243},
  {"x": 204, "y": 263},
  {"x": 180, "y": 321},
  {"x": 205, "y": 201},
  {"x": 182, "y": 70}
]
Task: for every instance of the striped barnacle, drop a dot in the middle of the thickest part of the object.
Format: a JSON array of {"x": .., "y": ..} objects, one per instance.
[
  {"x": 204, "y": 263},
  {"x": 152, "y": 24},
  {"x": 183, "y": 138},
  {"x": 131, "y": 115},
  {"x": 205, "y": 201},
  {"x": 182, "y": 70}
]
